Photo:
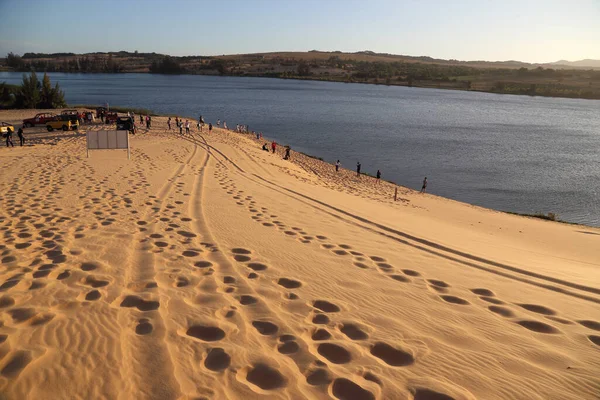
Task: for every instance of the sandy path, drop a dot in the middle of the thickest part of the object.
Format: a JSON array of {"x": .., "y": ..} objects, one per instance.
[{"x": 206, "y": 268}]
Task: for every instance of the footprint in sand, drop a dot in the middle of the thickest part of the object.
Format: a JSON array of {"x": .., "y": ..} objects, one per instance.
[
  {"x": 206, "y": 333},
  {"x": 492, "y": 300},
  {"x": 594, "y": 325},
  {"x": 353, "y": 331},
  {"x": 17, "y": 362},
  {"x": 483, "y": 292},
  {"x": 265, "y": 377},
  {"x": 325, "y": 306},
  {"x": 265, "y": 327},
  {"x": 318, "y": 377},
  {"x": 321, "y": 334},
  {"x": 217, "y": 359},
  {"x": 503, "y": 311},
  {"x": 288, "y": 344},
  {"x": 392, "y": 356},
  {"x": 289, "y": 283},
  {"x": 139, "y": 303},
  {"x": 93, "y": 295},
  {"x": 537, "y": 326},
  {"x": 334, "y": 353},
  {"x": 345, "y": 389},
  {"x": 455, "y": 300},
  {"x": 538, "y": 309},
  {"x": 144, "y": 327},
  {"x": 247, "y": 300},
  {"x": 320, "y": 319},
  {"x": 428, "y": 394}
]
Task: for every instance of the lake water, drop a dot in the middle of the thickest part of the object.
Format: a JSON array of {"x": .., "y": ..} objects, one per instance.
[{"x": 511, "y": 153}]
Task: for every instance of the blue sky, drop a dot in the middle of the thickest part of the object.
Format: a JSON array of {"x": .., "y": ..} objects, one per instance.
[{"x": 526, "y": 30}]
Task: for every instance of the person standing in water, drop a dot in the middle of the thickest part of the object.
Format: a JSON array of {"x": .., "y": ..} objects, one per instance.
[
  {"x": 337, "y": 166},
  {"x": 358, "y": 169},
  {"x": 378, "y": 176},
  {"x": 424, "y": 187}
]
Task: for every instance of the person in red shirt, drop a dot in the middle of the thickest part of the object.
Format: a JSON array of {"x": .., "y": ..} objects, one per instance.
[{"x": 273, "y": 146}]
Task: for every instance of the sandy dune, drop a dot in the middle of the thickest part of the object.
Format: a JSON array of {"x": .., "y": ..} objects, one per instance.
[{"x": 205, "y": 268}]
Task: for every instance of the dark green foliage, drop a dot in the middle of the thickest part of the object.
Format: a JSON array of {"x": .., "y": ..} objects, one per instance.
[
  {"x": 8, "y": 95},
  {"x": 51, "y": 97},
  {"x": 29, "y": 96},
  {"x": 14, "y": 61},
  {"x": 166, "y": 66},
  {"x": 32, "y": 94},
  {"x": 303, "y": 69}
]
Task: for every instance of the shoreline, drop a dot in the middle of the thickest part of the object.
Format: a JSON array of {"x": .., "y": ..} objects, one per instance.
[
  {"x": 315, "y": 79},
  {"x": 549, "y": 217}
]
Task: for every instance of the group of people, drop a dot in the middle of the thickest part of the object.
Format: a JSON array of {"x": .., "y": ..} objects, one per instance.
[
  {"x": 377, "y": 176},
  {"x": 9, "y": 133}
]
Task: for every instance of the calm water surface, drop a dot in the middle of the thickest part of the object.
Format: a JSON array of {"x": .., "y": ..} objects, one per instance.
[{"x": 511, "y": 153}]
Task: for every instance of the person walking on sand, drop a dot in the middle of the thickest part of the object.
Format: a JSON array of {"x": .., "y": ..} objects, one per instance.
[
  {"x": 273, "y": 146},
  {"x": 21, "y": 137},
  {"x": 424, "y": 187},
  {"x": 187, "y": 127},
  {"x": 169, "y": 123},
  {"x": 141, "y": 119},
  {"x": 358, "y": 169},
  {"x": 287, "y": 153},
  {"x": 378, "y": 176},
  {"x": 210, "y": 127},
  {"x": 181, "y": 127},
  {"x": 337, "y": 166},
  {"x": 9, "y": 138}
]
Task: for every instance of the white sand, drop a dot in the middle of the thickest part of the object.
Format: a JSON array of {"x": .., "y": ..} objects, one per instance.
[{"x": 207, "y": 268}]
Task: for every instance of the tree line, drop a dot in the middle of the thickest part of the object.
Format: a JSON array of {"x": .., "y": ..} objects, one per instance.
[
  {"x": 32, "y": 93},
  {"x": 335, "y": 66}
]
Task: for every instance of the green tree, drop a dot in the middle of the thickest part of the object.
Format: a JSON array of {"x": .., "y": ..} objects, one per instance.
[
  {"x": 29, "y": 97},
  {"x": 303, "y": 69},
  {"x": 51, "y": 97}
]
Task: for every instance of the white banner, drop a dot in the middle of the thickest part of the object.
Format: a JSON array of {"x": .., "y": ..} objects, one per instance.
[{"x": 107, "y": 140}]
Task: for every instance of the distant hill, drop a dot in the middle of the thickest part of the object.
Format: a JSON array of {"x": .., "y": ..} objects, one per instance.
[
  {"x": 579, "y": 79},
  {"x": 587, "y": 63}
]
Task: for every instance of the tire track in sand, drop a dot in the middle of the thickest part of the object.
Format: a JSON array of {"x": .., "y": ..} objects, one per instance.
[{"x": 150, "y": 361}]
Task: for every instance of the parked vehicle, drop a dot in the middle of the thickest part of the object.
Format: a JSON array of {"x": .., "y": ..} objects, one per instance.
[
  {"x": 126, "y": 124},
  {"x": 63, "y": 122},
  {"x": 4, "y": 127},
  {"x": 75, "y": 115},
  {"x": 110, "y": 117},
  {"x": 39, "y": 119}
]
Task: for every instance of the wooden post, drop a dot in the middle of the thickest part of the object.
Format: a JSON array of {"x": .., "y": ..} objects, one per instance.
[{"x": 396, "y": 194}]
